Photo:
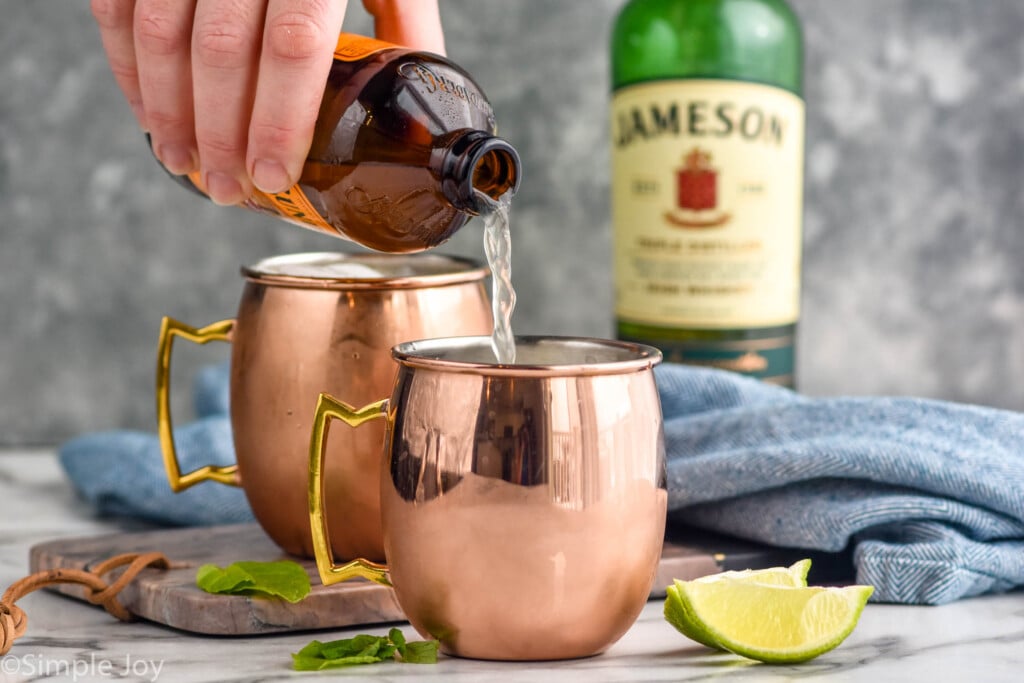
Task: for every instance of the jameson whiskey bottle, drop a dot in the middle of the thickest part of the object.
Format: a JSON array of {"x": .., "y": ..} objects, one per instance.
[
  {"x": 403, "y": 149},
  {"x": 707, "y": 181}
]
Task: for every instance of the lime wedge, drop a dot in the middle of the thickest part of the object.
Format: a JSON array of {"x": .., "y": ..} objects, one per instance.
[
  {"x": 795, "y": 575},
  {"x": 774, "y": 624}
]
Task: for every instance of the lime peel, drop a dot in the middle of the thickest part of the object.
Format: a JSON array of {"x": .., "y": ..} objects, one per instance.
[{"x": 769, "y": 622}]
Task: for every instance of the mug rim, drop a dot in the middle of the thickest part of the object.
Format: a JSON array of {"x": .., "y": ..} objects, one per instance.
[
  {"x": 416, "y": 354},
  {"x": 463, "y": 270}
]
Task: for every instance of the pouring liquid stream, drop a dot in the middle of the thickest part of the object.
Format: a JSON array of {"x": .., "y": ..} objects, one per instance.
[{"x": 498, "y": 249}]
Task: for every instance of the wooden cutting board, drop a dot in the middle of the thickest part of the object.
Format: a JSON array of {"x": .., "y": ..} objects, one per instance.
[{"x": 171, "y": 597}]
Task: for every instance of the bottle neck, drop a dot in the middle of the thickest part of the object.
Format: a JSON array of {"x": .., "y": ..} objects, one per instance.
[{"x": 472, "y": 162}]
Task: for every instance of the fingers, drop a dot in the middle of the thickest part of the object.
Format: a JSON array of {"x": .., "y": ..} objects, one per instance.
[
  {"x": 225, "y": 49},
  {"x": 163, "y": 31},
  {"x": 114, "y": 18},
  {"x": 298, "y": 43},
  {"x": 233, "y": 87},
  {"x": 412, "y": 23}
]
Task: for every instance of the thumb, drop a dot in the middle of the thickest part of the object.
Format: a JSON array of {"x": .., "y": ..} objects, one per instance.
[{"x": 412, "y": 23}]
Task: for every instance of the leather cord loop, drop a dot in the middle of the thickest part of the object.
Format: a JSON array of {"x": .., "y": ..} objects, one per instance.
[{"x": 13, "y": 620}]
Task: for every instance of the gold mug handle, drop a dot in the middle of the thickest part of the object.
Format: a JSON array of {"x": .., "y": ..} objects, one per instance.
[
  {"x": 330, "y": 573},
  {"x": 169, "y": 329}
]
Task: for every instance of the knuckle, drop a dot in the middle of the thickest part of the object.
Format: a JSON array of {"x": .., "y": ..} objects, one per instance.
[
  {"x": 110, "y": 13},
  {"x": 295, "y": 36},
  {"x": 124, "y": 72},
  {"x": 156, "y": 33},
  {"x": 165, "y": 121},
  {"x": 273, "y": 134},
  {"x": 216, "y": 146},
  {"x": 221, "y": 45}
]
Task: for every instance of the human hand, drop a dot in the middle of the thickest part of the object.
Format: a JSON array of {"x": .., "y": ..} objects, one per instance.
[{"x": 232, "y": 88}]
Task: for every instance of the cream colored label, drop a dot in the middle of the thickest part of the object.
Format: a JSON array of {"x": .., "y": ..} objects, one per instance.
[{"x": 707, "y": 193}]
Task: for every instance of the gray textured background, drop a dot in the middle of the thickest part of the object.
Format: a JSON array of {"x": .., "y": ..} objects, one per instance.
[{"x": 914, "y": 232}]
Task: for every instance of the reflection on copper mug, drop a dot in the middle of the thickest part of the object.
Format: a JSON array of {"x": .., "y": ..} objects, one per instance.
[
  {"x": 309, "y": 323},
  {"x": 523, "y": 505}
]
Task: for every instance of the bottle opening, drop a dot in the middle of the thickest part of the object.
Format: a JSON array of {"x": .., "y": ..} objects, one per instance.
[
  {"x": 495, "y": 173},
  {"x": 473, "y": 165}
]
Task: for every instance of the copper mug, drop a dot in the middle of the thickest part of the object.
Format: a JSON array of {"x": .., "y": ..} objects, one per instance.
[
  {"x": 523, "y": 505},
  {"x": 309, "y": 323}
]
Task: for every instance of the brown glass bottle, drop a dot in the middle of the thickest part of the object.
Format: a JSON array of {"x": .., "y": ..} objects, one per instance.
[{"x": 403, "y": 142}]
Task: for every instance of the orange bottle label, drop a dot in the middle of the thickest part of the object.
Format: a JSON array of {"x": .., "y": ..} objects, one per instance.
[
  {"x": 352, "y": 47},
  {"x": 292, "y": 205},
  {"x": 197, "y": 180}
]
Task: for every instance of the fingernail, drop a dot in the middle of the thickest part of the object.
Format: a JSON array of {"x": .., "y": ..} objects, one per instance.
[
  {"x": 223, "y": 189},
  {"x": 178, "y": 159},
  {"x": 269, "y": 176}
]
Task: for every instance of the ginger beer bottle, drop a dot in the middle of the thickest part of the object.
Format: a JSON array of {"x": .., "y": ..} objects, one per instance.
[
  {"x": 403, "y": 144},
  {"x": 707, "y": 181}
]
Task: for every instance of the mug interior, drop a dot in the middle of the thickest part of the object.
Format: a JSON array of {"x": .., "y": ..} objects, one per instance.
[
  {"x": 337, "y": 268},
  {"x": 536, "y": 355}
]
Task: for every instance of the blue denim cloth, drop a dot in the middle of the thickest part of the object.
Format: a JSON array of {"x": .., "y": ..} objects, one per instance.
[
  {"x": 122, "y": 472},
  {"x": 929, "y": 494}
]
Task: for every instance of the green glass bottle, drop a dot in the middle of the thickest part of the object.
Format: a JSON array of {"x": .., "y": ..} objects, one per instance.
[{"x": 707, "y": 181}]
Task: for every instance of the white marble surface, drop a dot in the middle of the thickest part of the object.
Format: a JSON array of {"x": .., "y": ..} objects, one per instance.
[{"x": 974, "y": 640}]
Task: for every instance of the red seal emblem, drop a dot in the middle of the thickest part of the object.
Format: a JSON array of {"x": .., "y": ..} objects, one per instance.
[{"x": 697, "y": 193}]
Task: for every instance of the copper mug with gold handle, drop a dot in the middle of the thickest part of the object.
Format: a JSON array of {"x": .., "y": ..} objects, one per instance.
[
  {"x": 523, "y": 506},
  {"x": 309, "y": 323}
]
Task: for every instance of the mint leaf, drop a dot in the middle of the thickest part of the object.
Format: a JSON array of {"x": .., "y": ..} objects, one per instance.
[
  {"x": 362, "y": 646},
  {"x": 213, "y": 579},
  {"x": 338, "y": 653},
  {"x": 318, "y": 664},
  {"x": 363, "y": 649},
  {"x": 398, "y": 638},
  {"x": 284, "y": 579},
  {"x": 420, "y": 652}
]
